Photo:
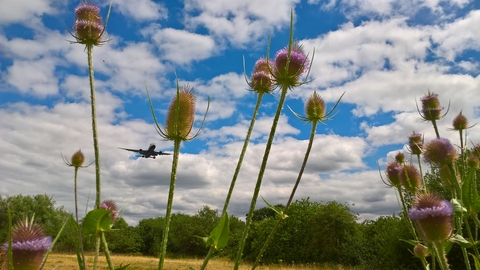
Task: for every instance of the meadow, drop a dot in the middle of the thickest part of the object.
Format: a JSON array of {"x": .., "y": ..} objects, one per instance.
[{"x": 69, "y": 261}]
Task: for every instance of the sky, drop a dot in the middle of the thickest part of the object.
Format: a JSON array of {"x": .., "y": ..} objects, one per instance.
[{"x": 384, "y": 54}]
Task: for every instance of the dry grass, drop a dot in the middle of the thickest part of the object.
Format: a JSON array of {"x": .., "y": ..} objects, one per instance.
[{"x": 64, "y": 261}]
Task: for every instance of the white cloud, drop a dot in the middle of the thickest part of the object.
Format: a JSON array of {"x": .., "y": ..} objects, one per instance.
[
  {"x": 25, "y": 11},
  {"x": 181, "y": 47},
  {"x": 140, "y": 10}
]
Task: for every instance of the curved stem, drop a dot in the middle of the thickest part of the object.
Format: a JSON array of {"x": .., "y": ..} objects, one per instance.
[
  {"x": 260, "y": 177},
  {"x": 168, "y": 215},
  {"x": 292, "y": 194},
  {"x": 237, "y": 169}
]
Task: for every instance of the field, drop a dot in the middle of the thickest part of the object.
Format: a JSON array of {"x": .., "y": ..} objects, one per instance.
[{"x": 67, "y": 261}]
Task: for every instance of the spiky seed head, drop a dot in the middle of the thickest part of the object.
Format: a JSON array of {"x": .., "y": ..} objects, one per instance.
[
  {"x": 431, "y": 108},
  {"x": 180, "y": 122},
  {"x": 111, "y": 206},
  {"x": 410, "y": 178},
  {"x": 473, "y": 162},
  {"x": 77, "y": 159},
  {"x": 476, "y": 150},
  {"x": 420, "y": 251},
  {"x": 400, "y": 157},
  {"x": 460, "y": 122},
  {"x": 315, "y": 108},
  {"x": 88, "y": 24},
  {"x": 433, "y": 217},
  {"x": 393, "y": 173},
  {"x": 29, "y": 245},
  {"x": 415, "y": 143},
  {"x": 439, "y": 151},
  {"x": 289, "y": 68}
]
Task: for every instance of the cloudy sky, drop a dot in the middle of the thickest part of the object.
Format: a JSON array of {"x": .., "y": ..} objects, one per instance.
[{"x": 384, "y": 54}]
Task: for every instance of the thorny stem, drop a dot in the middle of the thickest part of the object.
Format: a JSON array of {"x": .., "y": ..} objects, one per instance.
[
  {"x": 302, "y": 168},
  {"x": 168, "y": 215},
  {"x": 434, "y": 122},
  {"x": 441, "y": 256},
  {"x": 95, "y": 141},
  {"x": 237, "y": 169},
  {"x": 107, "y": 252},
  {"x": 80, "y": 236},
  {"x": 260, "y": 176}
]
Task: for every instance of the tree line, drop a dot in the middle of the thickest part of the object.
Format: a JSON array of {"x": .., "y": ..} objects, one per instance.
[{"x": 314, "y": 232}]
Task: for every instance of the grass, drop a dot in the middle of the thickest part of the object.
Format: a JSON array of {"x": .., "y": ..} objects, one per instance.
[{"x": 67, "y": 261}]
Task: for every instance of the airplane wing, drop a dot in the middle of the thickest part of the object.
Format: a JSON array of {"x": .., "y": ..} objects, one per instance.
[
  {"x": 132, "y": 150},
  {"x": 160, "y": 153}
]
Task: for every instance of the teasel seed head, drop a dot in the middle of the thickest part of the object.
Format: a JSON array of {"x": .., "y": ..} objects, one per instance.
[{"x": 181, "y": 115}]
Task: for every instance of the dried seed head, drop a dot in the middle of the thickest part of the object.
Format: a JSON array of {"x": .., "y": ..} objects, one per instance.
[
  {"x": 433, "y": 217},
  {"x": 315, "y": 108},
  {"x": 181, "y": 115},
  {"x": 400, "y": 157}
]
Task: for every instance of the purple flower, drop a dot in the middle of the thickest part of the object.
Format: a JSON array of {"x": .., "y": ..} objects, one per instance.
[
  {"x": 111, "y": 206},
  {"x": 88, "y": 24},
  {"x": 261, "y": 80},
  {"x": 393, "y": 173},
  {"x": 415, "y": 143},
  {"x": 439, "y": 151},
  {"x": 432, "y": 216},
  {"x": 29, "y": 245},
  {"x": 290, "y": 66}
]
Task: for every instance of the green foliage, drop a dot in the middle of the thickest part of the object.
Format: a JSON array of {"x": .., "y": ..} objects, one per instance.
[
  {"x": 265, "y": 212},
  {"x": 123, "y": 238},
  {"x": 96, "y": 221},
  {"x": 150, "y": 231}
]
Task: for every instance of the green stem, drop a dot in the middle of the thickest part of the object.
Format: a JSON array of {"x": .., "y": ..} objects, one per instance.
[
  {"x": 292, "y": 194},
  {"x": 260, "y": 177},
  {"x": 434, "y": 122},
  {"x": 176, "y": 152},
  {"x": 107, "y": 252},
  {"x": 420, "y": 168},
  {"x": 441, "y": 256},
  {"x": 237, "y": 169},
  {"x": 95, "y": 138},
  {"x": 97, "y": 248},
  {"x": 80, "y": 236}
]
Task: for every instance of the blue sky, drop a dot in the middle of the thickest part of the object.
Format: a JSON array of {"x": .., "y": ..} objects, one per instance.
[{"x": 384, "y": 54}]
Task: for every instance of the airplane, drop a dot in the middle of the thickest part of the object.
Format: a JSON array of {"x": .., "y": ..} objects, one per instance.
[{"x": 147, "y": 153}]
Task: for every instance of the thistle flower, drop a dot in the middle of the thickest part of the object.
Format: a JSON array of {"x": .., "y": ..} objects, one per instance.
[
  {"x": 261, "y": 80},
  {"x": 431, "y": 108},
  {"x": 29, "y": 245},
  {"x": 400, "y": 157},
  {"x": 180, "y": 115},
  {"x": 439, "y": 151},
  {"x": 410, "y": 178},
  {"x": 88, "y": 25},
  {"x": 432, "y": 216},
  {"x": 290, "y": 64},
  {"x": 393, "y": 173},
  {"x": 415, "y": 143},
  {"x": 111, "y": 206}
]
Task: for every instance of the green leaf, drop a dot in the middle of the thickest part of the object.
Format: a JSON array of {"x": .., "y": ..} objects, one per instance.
[
  {"x": 457, "y": 206},
  {"x": 470, "y": 196},
  {"x": 458, "y": 239},
  {"x": 218, "y": 238},
  {"x": 477, "y": 263},
  {"x": 122, "y": 267},
  {"x": 96, "y": 221},
  {"x": 279, "y": 212}
]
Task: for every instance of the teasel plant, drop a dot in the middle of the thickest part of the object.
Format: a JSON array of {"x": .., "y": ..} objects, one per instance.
[
  {"x": 314, "y": 113},
  {"x": 89, "y": 30},
  {"x": 178, "y": 127},
  {"x": 260, "y": 83},
  {"x": 290, "y": 64},
  {"x": 76, "y": 161}
]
